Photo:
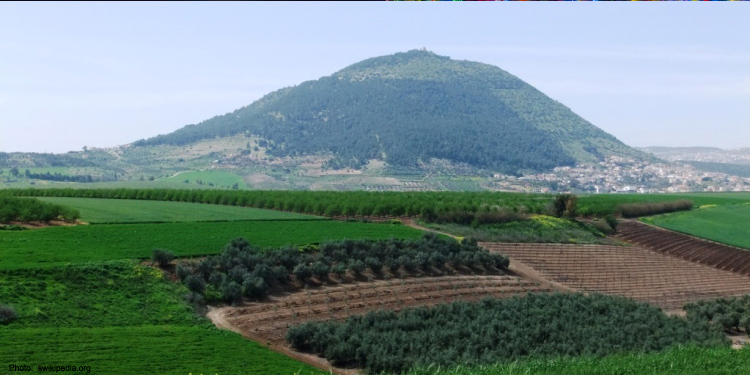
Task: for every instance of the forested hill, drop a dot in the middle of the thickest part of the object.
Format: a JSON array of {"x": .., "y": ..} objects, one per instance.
[{"x": 411, "y": 107}]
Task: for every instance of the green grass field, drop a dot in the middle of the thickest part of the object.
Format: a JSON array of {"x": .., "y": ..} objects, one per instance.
[
  {"x": 94, "y": 210},
  {"x": 217, "y": 178},
  {"x": 95, "y": 243},
  {"x": 118, "y": 293},
  {"x": 675, "y": 361},
  {"x": 606, "y": 203},
  {"x": 728, "y": 224},
  {"x": 540, "y": 228},
  {"x": 137, "y": 350},
  {"x": 120, "y": 318}
]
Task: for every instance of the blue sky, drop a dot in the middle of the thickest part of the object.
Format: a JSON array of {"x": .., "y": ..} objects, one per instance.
[{"x": 105, "y": 74}]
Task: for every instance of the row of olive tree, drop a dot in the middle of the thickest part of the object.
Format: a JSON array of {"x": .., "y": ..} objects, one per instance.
[
  {"x": 731, "y": 314},
  {"x": 241, "y": 270},
  {"x": 498, "y": 330}
]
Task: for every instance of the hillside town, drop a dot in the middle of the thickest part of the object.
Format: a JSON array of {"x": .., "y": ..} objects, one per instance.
[{"x": 620, "y": 175}]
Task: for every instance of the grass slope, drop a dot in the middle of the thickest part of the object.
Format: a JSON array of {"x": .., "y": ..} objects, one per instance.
[
  {"x": 94, "y": 243},
  {"x": 95, "y": 210},
  {"x": 727, "y": 224},
  {"x": 120, "y": 318}
]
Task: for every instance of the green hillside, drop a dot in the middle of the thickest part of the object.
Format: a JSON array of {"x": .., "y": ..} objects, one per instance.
[{"x": 412, "y": 107}]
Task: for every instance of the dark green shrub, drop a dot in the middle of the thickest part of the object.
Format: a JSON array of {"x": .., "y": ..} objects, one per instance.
[
  {"x": 339, "y": 269},
  {"x": 162, "y": 257},
  {"x": 255, "y": 288},
  {"x": 195, "y": 284},
  {"x": 320, "y": 270},
  {"x": 302, "y": 272},
  {"x": 182, "y": 271},
  {"x": 612, "y": 222},
  {"x": 232, "y": 293},
  {"x": 357, "y": 267},
  {"x": 7, "y": 314},
  {"x": 374, "y": 264}
]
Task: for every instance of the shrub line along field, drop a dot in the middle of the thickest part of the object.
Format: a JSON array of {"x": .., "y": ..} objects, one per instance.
[{"x": 629, "y": 271}]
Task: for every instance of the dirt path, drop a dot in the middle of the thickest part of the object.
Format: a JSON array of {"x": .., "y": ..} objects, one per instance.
[
  {"x": 267, "y": 322},
  {"x": 218, "y": 316},
  {"x": 413, "y": 224}
]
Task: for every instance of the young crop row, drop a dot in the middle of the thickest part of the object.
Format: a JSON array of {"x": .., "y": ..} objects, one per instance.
[
  {"x": 243, "y": 271},
  {"x": 498, "y": 331}
]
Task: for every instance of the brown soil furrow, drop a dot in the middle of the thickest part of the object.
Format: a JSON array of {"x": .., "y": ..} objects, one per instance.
[
  {"x": 268, "y": 321},
  {"x": 629, "y": 271},
  {"x": 686, "y": 247}
]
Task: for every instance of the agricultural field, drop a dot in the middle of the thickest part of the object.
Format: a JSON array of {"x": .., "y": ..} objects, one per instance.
[
  {"x": 53, "y": 246},
  {"x": 83, "y": 287},
  {"x": 690, "y": 248},
  {"x": 539, "y": 229},
  {"x": 602, "y": 204},
  {"x": 146, "y": 349},
  {"x": 96, "y": 210},
  {"x": 628, "y": 271},
  {"x": 269, "y": 321},
  {"x": 499, "y": 331},
  {"x": 679, "y": 360},
  {"x": 729, "y": 224},
  {"x": 208, "y": 179},
  {"x": 120, "y": 318}
]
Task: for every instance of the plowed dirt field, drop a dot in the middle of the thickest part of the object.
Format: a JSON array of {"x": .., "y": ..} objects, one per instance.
[
  {"x": 686, "y": 247},
  {"x": 630, "y": 271}
]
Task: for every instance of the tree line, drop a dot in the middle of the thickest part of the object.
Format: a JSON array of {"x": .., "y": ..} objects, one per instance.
[
  {"x": 442, "y": 207},
  {"x": 243, "y": 271},
  {"x": 326, "y": 203},
  {"x": 498, "y": 330},
  {"x": 28, "y": 210},
  {"x": 59, "y": 177}
]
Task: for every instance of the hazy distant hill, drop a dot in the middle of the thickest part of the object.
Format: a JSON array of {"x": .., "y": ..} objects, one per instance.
[{"x": 411, "y": 107}]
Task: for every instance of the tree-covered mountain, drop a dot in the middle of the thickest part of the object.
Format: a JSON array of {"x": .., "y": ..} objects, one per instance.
[{"x": 411, "y": 107}]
